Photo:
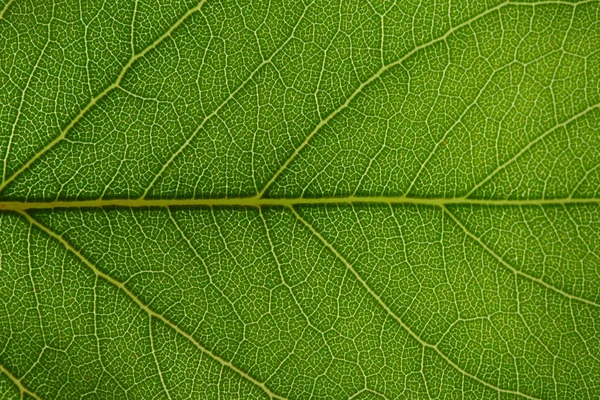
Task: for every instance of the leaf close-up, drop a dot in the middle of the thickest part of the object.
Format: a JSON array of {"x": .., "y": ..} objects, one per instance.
[{"x": 351, "y": 199}]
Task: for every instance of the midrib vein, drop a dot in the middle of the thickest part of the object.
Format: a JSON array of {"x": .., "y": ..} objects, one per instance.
[{"x": 285, "y": 202}]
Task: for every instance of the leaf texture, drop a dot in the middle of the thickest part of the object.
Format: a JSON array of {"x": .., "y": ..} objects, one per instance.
[{"x": 300, "y": 199}]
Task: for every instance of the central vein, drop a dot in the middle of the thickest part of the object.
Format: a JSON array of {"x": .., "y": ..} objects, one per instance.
[{"x": 286, "y": 202}]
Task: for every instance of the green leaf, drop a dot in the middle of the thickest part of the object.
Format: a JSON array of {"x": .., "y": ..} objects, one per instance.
[{"x": 299, "y": 199}]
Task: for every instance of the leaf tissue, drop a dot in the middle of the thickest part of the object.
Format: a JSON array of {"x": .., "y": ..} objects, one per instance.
[{"x": 294, "y": 199}]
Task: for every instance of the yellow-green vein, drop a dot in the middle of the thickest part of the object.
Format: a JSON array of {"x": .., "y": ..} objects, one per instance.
[{"x": 143, "y": 306}]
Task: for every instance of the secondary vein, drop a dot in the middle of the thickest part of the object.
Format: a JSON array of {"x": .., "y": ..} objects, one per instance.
[
  {"x": 510, "y": 267},
  {"x": 153, "y": 314},
  {"x": 380, "y": 301},
  {"x": 366, "y": 83},
  {"x": 99, "y": 96},
  {"x": 17, "y": 382}
]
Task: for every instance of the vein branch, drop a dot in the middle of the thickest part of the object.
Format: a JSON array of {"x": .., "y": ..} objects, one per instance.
[
  {"x": 366, "y": 83},
  {"x": 399, "y": 61},
  {"x": 250, "y": 77},
  {"x": 513, "y": 269},
  {"x": 380, "y": 301},
  {"x": 151, "y": 313},
  {"x": 94, "y": 100},
  {"x": 6, "y": 6},
  {"x": 158, "y": 369},
  {"x": 17, "y": 382},
  {"x": 530, "y": 145}
]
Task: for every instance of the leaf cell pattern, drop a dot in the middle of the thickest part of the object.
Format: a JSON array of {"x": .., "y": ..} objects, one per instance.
[{"x": 300, "y": 199}]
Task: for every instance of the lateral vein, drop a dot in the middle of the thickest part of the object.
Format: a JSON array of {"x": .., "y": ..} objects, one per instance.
[
  {"x": 153, "y": 314},
  {"x": 387, "y": 67},
  {"x": 396, "y": 317},
  {"x": 529, "y": 145},
  {"x": 98, "y": 97},
  {"x": 366, "y": 83},
  {"x": 513, "y": 269},
  {"x": 6, "y": 6},
  {"x": 17, "y": 382}
]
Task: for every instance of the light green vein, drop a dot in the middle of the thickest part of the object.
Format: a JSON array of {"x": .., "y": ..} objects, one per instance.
[
  {"x": 387, "y": 67},
  {"x": 98, "y": 97},
  {"x": 396, "y": 317},
  {"x": 530, "y": 145},
  {"x": 380, "y": 72},
  {"x": 223, "y": 104},
  {"x": 158, "y": 370},
  {"x": 366, "y": 83},
  {"x": 513, "y": 269},
  {"x": 17, "y": 382},
  {"x": 287, "y": 202},
  {"x": 153, "y": 314},
  {"x": 6, "y": 8},
  {"x": 21, "y": 103}
]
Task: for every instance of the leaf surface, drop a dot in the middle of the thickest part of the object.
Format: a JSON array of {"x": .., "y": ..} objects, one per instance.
[{"x": 300, "y": 199}]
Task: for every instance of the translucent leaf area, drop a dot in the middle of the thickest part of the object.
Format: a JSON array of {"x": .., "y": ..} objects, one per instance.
[{"x": 284, "y": 199}]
